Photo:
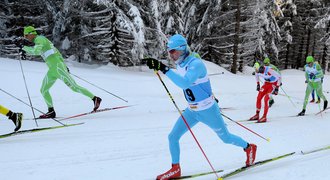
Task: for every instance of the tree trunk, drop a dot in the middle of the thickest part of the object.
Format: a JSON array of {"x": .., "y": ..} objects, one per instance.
[
  {"x": 236, "y": 37},
  {"x": 325, "y": 49}
]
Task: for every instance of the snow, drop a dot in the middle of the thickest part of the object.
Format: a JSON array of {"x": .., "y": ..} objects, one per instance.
[{"x": 132, "y": 143}]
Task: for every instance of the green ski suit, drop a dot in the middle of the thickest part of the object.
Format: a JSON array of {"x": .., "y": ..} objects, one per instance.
[
  {"x": 57, "y": 69},
  {"x": 313, "y": 77}
]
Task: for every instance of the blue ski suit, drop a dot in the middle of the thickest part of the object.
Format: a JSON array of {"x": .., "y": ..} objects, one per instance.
[{"x": 191, "y": 76}]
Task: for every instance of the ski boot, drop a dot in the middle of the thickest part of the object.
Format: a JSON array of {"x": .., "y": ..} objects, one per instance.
[
  {"x": 251, "y": 151},
  {"x": 325, "y": 105},
  {"x": 255, "y": 117},
  {"x": 97, "y": 102},
  {"x": 263, "y": 119},
  {"x": 302, "y": 113},
  {"x": 174, "y": 172},
  {"x": 313, "y": 100},
  {"x": 16, "y": 118},
  {"x": 50, "y": 114},
  {"x": 318, "y": 101}
]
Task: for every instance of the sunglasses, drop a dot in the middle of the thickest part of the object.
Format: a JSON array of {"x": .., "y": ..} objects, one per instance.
[{"x": 172, "y": 51}]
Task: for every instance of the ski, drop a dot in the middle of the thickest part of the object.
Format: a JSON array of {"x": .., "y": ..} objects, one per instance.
[
  {"x": 322, "y": 111},
  {"x": 93, "y": 112},
  {"x": 78, "y": 115},
  {"x": 197, "y": 175},
  {"x": 30, "y": 119},
  {"x": 244, "y": 168},
  {"x": 315, "y": 150},
  {"x": 239, "y": 170},
  {"x": 36, "y": 130}
]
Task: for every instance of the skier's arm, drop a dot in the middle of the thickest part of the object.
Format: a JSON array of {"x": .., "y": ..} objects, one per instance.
[
  {"x": 319, "y": 71},
  {"x": 306, "y": 75},
  {"x": 36, "y": 49},
  {"x": 271, "y": 76},
  {"x": 195, "y": 70},
  {"x": 257, "y": 77}
]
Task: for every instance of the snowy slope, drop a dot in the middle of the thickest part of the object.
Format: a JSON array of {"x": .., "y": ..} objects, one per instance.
[{"x": 132, "y": 143}]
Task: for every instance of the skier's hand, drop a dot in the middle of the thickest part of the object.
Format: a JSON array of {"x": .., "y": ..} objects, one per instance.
[
  {"x": 156, "y": 65},
  {"x": 20, "y": 42},
  {"x": 22, "y": 53},
  {"x": 306, "y": 81},
  {"x": 258, "y": 87},
  {"x": 68, "y": 70},
  {"x": 275, "y": 92}
]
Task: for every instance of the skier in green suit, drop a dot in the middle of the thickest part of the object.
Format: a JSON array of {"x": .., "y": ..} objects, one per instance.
[
  {"x": 313, "y": 75},
  {"x": 57, "y": 70}
]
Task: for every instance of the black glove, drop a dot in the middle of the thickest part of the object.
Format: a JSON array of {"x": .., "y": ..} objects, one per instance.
[
  {"x": 20, "y": 42},
  {"x": 258, "y": 87},
  {"x": 275, "y": 92},
  {"x": 68, "y": 69},
  {"x": 156, "y": 65},
  {"x": 22, "y": 54}
]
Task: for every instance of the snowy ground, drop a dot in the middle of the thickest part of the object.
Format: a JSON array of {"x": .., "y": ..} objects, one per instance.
[{"x": 132, "y": 143}]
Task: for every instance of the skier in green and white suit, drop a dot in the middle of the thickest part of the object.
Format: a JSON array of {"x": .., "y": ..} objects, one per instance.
[
  {"x": 313, "y": 75},
  {"x": 57, "y": 69}
]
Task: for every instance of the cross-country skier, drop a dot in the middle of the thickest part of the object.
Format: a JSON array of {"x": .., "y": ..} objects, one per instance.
[
  {"x": 57, "y": 70},
  {"x": 267, "y": 63},
  {"x": 271, "y": 85},
  {"x": 313, "y": 75},
  {"x": 15, "y": 117},
  {"x": 191, "y": 76}
]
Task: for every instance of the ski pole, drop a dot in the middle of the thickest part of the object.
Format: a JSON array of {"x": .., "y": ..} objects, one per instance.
[
  {"x": 267, "y": 139},
  {"x": 184, "y": 119},
  {"x": 27, "y": 90},
  {"x": 288, "y": 97},
  {"x": 28, "y": 105},
  {"x": 98, "y": 87}
]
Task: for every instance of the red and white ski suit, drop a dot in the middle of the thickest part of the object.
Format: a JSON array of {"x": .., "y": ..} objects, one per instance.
[{"x": 272, "y": 80}]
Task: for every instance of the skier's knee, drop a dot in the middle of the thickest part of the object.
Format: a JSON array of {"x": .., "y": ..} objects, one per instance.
[
  {"x": 172, "y": 137},
  {"x": 225, "y": 137},
  {"x": 44, "y": 92}
]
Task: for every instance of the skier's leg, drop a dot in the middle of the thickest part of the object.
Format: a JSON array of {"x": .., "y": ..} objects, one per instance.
[
  {"x": 308, "y": 91},
  {"x": 3, "y": 110},
  {"x": 266, "y": 100},
  {"x": 47, "y": 83},
  {"x": 319, "y": 91},
  {"x": 313, "y": 96},
  {"x": 212, "y": 118},
  {"x": 179, "y": 129},
  {"x": 64, "y": 75}
]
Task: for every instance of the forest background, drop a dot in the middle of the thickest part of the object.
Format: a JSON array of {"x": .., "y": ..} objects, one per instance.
[{"x": 230, "y": 33}]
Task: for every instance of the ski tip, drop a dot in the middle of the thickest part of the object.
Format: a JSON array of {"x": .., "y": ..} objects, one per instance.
[{"x": 268, "y": 139}]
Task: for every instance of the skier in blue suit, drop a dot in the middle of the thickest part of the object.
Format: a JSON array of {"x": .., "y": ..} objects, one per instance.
[{"x": 191, "y": 76}]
